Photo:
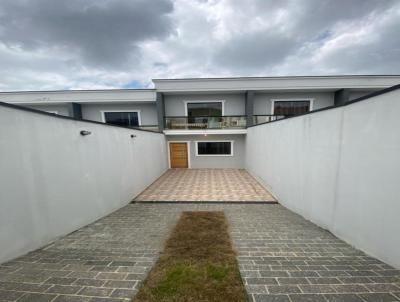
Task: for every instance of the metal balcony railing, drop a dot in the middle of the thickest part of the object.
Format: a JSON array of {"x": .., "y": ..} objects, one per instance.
[
  {"x": 205, "y": 122},
  {"x": 260, "y": 119}
]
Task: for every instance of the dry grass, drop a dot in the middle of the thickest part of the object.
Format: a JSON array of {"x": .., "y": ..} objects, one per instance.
[{"x": 198, "y": 263}]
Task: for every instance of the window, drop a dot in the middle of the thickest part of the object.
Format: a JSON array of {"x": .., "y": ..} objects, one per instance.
[
  {"x": 214, "y": 148},
  {"x": 290, "y": 108},
  {"x": 125, "y": 119},
  {"x": 204, "y": 109}
]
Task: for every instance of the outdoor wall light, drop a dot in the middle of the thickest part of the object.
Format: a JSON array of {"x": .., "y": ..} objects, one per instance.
[{"x": 85, "y": 132}]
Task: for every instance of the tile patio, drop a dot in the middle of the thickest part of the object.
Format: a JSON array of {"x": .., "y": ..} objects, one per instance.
[{"x": 206, "y": 185}]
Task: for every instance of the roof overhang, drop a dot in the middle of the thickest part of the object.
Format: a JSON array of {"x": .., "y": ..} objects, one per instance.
[
  {"x": 78, "y": 96},
  {"x": 328, "y": 83}
]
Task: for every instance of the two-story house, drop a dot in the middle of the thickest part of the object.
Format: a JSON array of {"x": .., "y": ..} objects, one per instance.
[{"x": 204, "y": 119}]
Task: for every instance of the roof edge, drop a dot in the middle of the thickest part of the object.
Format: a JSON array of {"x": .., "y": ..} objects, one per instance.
[{"x": 279, "y": 77}]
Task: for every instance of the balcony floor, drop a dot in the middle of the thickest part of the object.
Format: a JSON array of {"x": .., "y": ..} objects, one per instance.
[
  {"x": 206, "y": 185},
  {"x": 282, "y": 257}
]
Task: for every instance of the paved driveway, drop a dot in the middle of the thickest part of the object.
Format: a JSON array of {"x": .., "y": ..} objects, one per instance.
[
  {"x": 206, "y": 185},
  {"x": 282, "y": 257}
]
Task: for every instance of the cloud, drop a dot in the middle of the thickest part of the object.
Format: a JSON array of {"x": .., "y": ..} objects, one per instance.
[
  {"x": 47, "y": 44},
  {"x": 100, "y": 33}
]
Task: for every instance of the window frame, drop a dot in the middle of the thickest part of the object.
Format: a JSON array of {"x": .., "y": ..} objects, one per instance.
[
  {"x": 103, "y": 115},
  {"x": 311, "y": 100},
  {"x": 206, "y": 101},
  {"x": 214, "y": 141}
]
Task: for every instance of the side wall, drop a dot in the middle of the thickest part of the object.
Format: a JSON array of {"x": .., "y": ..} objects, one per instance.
[
  {"x": 196, "y": 162},
  {"x": 339, "y": 168},
  {"x": 54, "y": 180}
]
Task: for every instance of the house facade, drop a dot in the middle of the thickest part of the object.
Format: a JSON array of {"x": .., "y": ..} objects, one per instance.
[{"x": 204, "y": 120}]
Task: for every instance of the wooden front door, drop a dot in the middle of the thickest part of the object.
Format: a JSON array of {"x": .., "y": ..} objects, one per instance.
[{"x": 178, "y": 155}]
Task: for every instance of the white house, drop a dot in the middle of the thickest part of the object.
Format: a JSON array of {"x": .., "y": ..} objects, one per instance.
[{"x": 205, "y": 120}]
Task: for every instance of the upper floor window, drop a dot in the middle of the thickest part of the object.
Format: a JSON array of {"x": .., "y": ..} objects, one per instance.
[
  {"x": 122, "y": 118},
  {"x": 291, "y": 107},
  {"x": 204, "y": 109}
]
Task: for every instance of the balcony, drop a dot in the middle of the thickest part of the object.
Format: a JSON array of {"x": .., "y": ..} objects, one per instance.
[
  {"x": 205, "y": 122},
  {"x": 215, "y": 122}
]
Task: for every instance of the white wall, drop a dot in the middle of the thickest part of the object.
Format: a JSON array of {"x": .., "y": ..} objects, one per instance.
[
  {"x": 54, "y": 181},
  {"x": 200, "y": 162},
  {"x": 339, "y": 168}
]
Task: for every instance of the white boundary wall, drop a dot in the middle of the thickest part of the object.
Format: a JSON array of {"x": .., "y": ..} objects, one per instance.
[
  {"x": 54, "y": 180},
  {"x": 339, "y": 168}
]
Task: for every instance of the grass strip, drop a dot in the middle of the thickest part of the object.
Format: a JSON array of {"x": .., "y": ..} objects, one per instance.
[{"x": 198, "y": 263}]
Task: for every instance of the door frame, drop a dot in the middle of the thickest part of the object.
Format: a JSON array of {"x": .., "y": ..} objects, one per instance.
[{"x": 187, "y": 148}]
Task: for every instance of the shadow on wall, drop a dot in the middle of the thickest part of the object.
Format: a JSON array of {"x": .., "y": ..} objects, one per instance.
[
  {"x": 59, "y": 174},
  {"x": 339, "y": 168}
]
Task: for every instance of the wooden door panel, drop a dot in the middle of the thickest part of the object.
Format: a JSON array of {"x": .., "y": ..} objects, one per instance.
[{"x": 178, "y": 155}]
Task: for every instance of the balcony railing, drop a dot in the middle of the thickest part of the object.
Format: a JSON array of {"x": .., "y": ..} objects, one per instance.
[
  {"x": 205, "y": 122},
  {"x": 260, "y": 119},
  {"x": 216, "y": 122}
]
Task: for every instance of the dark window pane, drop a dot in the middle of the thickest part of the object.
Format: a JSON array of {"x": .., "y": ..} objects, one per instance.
[
  {"x": 204, "y": 109},
  {"x": 289, "y": 108},
  {"x": 214, "y": 148},
  {"x": 125, "y": 119}
]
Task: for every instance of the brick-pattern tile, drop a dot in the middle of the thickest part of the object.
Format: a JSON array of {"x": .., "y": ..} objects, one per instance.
[
  {"x": 281, "y": 257},
  {"x": 206, "y": 185}
]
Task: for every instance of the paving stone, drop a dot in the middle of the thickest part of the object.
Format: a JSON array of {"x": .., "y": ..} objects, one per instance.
[
  {"x": 379, "y": 297},
  {"x": 30, "y": 297},
  {"x": 307, "y": 298},
  {"x": 383, "y": 287},
  {"x": 135, "y": 277},
  {"x": 95, "y": 291},
  {"x": 61, "y": 281},
  {"x": 324, "y": 280},
  {"x": 112, "y": 276},
  {"x": 303, "y": 274},
  {"x": 121, "y": 284},
  {"x": 65, "y": 298},
  {"x": 8, "y": 295},
  {"x": 274, "y": 274},
  {"x": 283, "y": 289},
  {"x": 256, "y": 289},
  {"x": 293, "y": 281},
  {"x": 315, "y": 289},
  {"x": 355, "y": 280},
  {"x": 123, "y": 293},
  {"x": 89, "y": 282},
  {"x": 261, "y": 281},
  {"x": 343, "y": 298},
  {"x": 64, "y": 289},
  {"x": 271, "y": 298},
  {"x": 82, "y": 275},
  {"x": 350, "y": 288}
]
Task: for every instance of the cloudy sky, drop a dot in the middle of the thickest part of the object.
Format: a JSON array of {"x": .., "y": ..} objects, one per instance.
[{"x": 87, "y": 44}]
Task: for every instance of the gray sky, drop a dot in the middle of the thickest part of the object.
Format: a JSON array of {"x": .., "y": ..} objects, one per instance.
[{"x": 85, "y": 44}]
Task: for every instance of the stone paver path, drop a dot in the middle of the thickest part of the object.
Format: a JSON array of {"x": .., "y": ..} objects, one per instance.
[
  {"x": 206, "y": 185},
  {"x": 282, "y": 257}
]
